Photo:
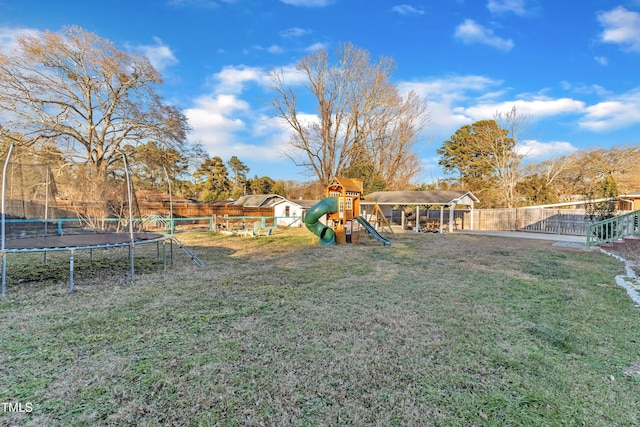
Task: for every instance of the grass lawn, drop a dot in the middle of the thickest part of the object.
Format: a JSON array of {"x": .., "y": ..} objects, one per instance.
[{"x": 436, "y": 330}]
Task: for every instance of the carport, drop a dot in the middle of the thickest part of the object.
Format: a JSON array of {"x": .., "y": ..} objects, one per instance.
[{"x": 442, "y": 199}]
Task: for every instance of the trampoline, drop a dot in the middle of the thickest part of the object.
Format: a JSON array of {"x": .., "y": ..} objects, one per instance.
[
  {"x": 80, "y": 241},
  {"x": 77, "y": 242},
  {"x": 38, "y": 184}
]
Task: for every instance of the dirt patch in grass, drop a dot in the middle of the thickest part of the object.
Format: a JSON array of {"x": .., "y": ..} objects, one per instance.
[{"x": 434, "y": 330}]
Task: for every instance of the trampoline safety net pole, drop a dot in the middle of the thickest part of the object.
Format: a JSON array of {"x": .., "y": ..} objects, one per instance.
[
  {"x": 71, "y": 266},
  {"x": 171, "y": 222},
  {"x": 3, "y": 222},
  {"x": 130, "y": 197}
]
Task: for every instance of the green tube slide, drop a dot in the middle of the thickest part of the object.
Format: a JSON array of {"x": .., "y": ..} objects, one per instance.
[{"x": 311, "y": 220}]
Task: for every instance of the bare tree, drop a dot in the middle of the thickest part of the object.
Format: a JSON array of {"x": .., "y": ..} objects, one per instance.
[
  {"x": 584, "y": 172},
  {"x": 77, "y": 90},
  {"x": 553, "y": 169},
  {"x": 361, "y": 118},
  {"x": 620, "y": 163},
  {"x": 550, "y": 177},
  {"x": 392, "y": 137},
  {"x": 506, "y": 160}
]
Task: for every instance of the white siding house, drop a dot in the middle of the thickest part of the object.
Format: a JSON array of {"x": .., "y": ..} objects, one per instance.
[{"x": 290, "y": 213}]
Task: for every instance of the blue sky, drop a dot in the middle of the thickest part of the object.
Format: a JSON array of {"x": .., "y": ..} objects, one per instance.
[{"x": 571, "y": 65}]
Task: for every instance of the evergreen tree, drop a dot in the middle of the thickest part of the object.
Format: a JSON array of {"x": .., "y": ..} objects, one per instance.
[{"x": 212, "y": 180}]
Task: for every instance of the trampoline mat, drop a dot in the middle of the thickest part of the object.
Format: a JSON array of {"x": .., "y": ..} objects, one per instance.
[{"x": 79, "y": 240}]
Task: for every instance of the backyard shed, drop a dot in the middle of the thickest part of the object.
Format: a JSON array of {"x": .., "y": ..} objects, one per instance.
[
  {"x": 440, "y": 199},
  {"x": 291, "y": 212}
]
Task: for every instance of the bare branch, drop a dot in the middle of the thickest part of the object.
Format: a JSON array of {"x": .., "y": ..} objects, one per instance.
[
  {"x": 360, "y": 118},
  {"x": 77, "y": 89}
]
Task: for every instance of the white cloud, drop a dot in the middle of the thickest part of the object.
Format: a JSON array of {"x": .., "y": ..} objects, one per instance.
[
  {"x": 470, "y": 32},
  {"x": 232, "y": 79},
  {"x": 292, "y": 76},
  {"x": 449, "y": 87},
  {"x": 536, "y": 108},
  {"x": 274, "y": 48},
  {"x": 213, "y": 124},
  {"x": 217, "y": 123},
  {"x": 316, "y": 46},
  {"x": 597, "y": 89},
  {"x": 502, "y": 6},
  {"x": 621, "y": 27},
  {"x": 442, "y": 94},
  {"x": 226, "y": 125},
  {"x": 539, "y": 151},
  {"x": 211, "y": 114},
  {"x": 206, "y": 4},
  {"x": 584, "y": 89},
  {"x": 405, "y": 9},
  {"x": 9, "y": 37},
  {"x": 602, "y": 60},
  {"x": 308, "y": 3},
  {"x": 294, "y": 32},
  {"x": 615, "y": 113},
  {"x": 459, "y": 100},
  {"x": 160, "y": 55},
  {"x": 275, "y": 135}
]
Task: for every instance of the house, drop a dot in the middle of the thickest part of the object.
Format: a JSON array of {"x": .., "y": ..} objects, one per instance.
[
  {"x": 290, "y": 213},
  {"x": 286, "y": 213},
  {"x": 630, "y": 201},
  {"x": 258, "y": 200}
]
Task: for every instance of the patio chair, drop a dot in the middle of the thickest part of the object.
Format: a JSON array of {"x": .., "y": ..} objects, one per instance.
[{"x": 253, "y": 231}]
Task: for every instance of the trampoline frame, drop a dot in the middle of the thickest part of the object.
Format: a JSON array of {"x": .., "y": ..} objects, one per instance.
[
  {"x": 131, "y": 242},
  {"x": 158, "y": 238}
]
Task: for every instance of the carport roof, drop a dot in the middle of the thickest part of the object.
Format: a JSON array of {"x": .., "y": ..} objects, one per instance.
[{"x": 448, "y": 198}]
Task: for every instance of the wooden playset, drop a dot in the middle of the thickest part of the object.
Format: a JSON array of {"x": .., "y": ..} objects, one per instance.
[{"x": 348, "y": 191}]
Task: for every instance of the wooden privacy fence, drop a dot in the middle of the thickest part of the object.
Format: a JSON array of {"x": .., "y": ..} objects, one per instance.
[
  {"x": 558, "y": 221},
  {"x": 189, "y": 210},
  {"x": 67, "y": 209}
]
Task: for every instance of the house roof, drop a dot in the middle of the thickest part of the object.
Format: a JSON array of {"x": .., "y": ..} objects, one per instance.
[
  {"x": 419, "y": 197},
  {"x": 258, "y": 200},
  {"x": 304, "y": 204}
]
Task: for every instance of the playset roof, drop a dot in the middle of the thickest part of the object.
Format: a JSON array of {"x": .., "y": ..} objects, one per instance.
[{"x": 347, "y": 184}]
